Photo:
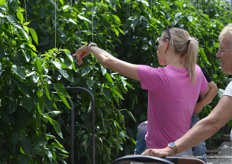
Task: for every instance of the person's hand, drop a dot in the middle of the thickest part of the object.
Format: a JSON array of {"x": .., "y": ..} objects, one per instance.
[
  {"x": 158, "y": 152},
  {"x": 81, "y": 53},
  {"x": 198, "y": 108}
]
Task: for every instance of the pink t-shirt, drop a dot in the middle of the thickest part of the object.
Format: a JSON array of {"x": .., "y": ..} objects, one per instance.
[{"x": 171, "y": 102}]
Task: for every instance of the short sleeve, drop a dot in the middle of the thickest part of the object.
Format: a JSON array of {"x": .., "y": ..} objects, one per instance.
[
  {"x": 228, "y": 90},
  {"x": 151, "y": 78}
]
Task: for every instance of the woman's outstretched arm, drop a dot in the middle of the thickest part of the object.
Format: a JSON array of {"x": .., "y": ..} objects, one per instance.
[{"x": 108, "y": 61}]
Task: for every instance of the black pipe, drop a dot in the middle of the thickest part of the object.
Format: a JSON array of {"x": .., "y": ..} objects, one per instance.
[
  {"x": 93, "y": 123},
  {"x": 72, "y": 122}
]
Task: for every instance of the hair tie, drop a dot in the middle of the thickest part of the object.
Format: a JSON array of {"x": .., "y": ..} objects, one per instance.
[{"x": 189, "y": 41}]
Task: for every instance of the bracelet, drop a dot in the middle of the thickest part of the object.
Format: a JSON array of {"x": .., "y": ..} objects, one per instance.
[{"x": 91, "y": 44}]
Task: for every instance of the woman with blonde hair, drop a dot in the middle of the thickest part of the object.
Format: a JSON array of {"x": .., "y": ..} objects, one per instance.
[{"x": 172, "y": 91}]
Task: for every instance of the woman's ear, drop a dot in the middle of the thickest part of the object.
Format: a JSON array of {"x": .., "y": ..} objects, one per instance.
[{"x": 167, "y": 45}]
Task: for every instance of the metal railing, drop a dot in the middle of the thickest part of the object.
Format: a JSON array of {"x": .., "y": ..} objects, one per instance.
[{"x": 73, "y": 120}]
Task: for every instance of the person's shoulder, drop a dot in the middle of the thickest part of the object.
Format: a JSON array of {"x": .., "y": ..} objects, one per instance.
[
  {"x": 198, "y": 71},
  {"x": 198, "y": 68},
  {"x": 149, "y": 69}
]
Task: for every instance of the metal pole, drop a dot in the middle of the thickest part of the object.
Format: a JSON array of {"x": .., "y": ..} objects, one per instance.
[
  {"x": 93, "y": 124},
  {"x": 72, "y": 121}
]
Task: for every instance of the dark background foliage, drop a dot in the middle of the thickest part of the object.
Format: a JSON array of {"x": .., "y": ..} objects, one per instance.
[{"x": 38, "y": 39}]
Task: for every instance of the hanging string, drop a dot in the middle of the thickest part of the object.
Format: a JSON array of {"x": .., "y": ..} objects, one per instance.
[
  {"x": 25, "y": 4},
  {"x": 151, "y": 7},
  {"x": 92, "y": 20},
  {"x": 55, "y": 23}
]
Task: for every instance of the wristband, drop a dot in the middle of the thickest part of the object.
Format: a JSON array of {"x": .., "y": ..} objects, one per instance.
[{"x": 91, "y": 44}]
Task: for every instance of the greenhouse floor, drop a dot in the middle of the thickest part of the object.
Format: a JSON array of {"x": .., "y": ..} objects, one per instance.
[{"x": 224, "y": 155}]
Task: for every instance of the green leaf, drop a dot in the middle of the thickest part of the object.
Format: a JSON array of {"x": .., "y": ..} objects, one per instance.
[
  {"x": 144, "y": 2},
  {"x": 40, "y": 105},
  {"x": 84, "y": 19},
  {"x": 131, "y": 116},
  {"x": 25, "y": 34},
  {"x": 2, "y": 52},
  {"x": 27, "y": 103},
  {"x": 26, "y": 144},
  {"x": 2, "y": 2},
  {"x": 15, "y": 137},
  {"x": 55, "y": 113},
  {"x": 103, "y": 70},
  {"x": 117, "y": 93},
  {"x": 24, "y": 159},
  {"x": 85, "y": 71},
  {"x": 38, "y": 65},
  {"x": 67, "y": 74},
  {"x": 70, "y": 57},
  {"x": 12, "y": 106},
  {"x": 117, "y": 18},
  {"x": 203, "y": 55},
  {"x": 56, "y": 126},
  {"x": 62, "y": 2},
  {"x": 26, "y": 23},
  {"x": 19, "y": 71},
  {"x": 13, "y": 5},
  {"x": 72, "y": 21},
  {"x": 60, "y": 89},
  {"x": 22, "y": 86},
  {"x": 49, "y": 154},
  {"x": 63, "y": 98},
  {"x": 108, "y": 77},
  {"x": 115, "y": 31},
  {"x": 47, "y": 92},
  {"x": 26, "y": 55},
  {"x": 62, "y": 93},
  {"x": 42, "y": 141},
  {"x": 39, "y": 93},
  {"x": 68, "y": 64},
  {"x": 34, "y": 35},
  {"x": 36, "y": 150},
  {"x": 57, "y": 64},
  {"x": 164, "y": 3},
  {"x": 20, "y": 15},
  {"x": 113, "y": 4},
  {"x": 90, "y": 83}
]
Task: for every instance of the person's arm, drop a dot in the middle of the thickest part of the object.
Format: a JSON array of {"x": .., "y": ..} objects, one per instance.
[
  {"x": 204, "y": 100},
  {"x": 108, "y": 61},
  {"x": 205, "y": 128}
]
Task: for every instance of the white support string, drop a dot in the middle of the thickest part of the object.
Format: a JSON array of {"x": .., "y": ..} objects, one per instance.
[
  {"x": 55, "y": 23},
  {"x": 92, "y": 20},
  {"x": 25, "y": 4},
  {"x": 151, "y": 7}
]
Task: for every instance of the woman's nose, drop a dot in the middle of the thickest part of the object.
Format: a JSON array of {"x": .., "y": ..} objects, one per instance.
[{"x": 218, "y": 54}]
